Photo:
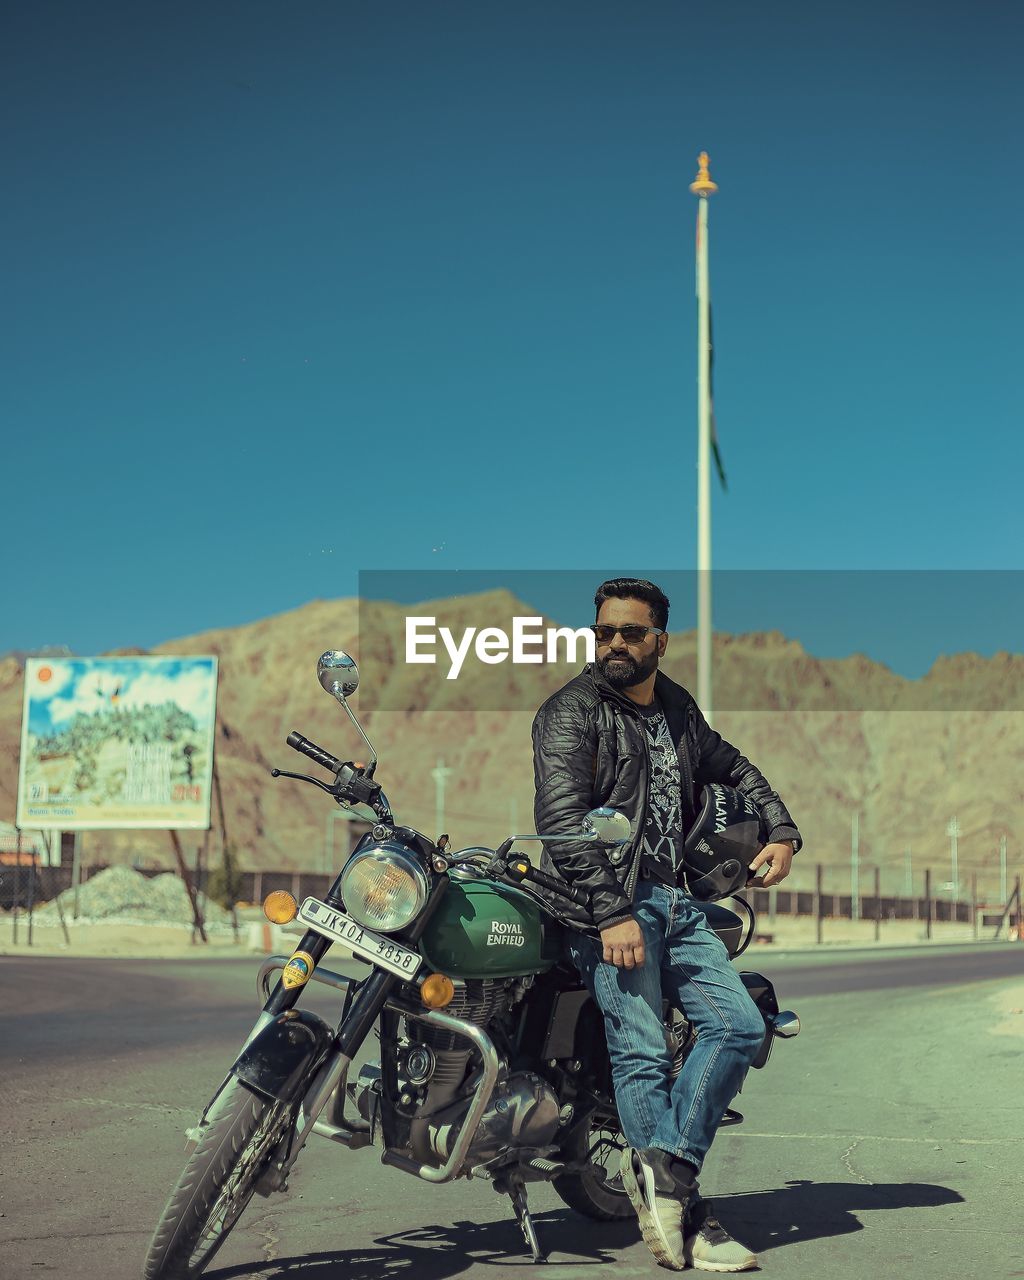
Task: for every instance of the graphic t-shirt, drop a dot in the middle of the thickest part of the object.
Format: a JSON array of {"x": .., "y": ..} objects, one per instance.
[{"x": 663, "y": 834}]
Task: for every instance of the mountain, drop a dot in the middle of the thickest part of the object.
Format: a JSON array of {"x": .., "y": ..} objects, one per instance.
[{"x": 834, "y": 736}]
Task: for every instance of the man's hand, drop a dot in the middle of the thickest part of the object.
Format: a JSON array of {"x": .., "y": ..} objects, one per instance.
[
  {"x": 779, "y": 857},
  {"x": 623, "y": 944}
]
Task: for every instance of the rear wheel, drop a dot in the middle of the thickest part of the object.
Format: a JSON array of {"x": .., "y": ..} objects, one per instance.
[
  {"x": 241, "y": 1131},
  {"x": 597, "y": 1192}
]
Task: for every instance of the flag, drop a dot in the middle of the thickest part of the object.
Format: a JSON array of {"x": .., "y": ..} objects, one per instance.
[
  {"x": 711, "y": 396},
  {"x": 715, "y": 450}
]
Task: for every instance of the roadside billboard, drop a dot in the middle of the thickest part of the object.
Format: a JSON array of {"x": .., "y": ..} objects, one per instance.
[{"x": 117, "y": 743}]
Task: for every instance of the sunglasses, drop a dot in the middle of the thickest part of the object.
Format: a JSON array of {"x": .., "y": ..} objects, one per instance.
[{"x": 632, "y": 634}]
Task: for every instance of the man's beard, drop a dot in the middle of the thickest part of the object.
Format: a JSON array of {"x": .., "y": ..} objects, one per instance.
[{"x": 625, "y": 672}]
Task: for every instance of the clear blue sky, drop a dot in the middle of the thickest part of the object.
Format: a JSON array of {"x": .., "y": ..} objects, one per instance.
[{"x": 292, "y": 291}]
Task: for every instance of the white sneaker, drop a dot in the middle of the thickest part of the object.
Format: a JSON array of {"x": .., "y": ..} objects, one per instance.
[
  {"x": 648, "y": 1183},
  {"x": 709, "y": 1247}
]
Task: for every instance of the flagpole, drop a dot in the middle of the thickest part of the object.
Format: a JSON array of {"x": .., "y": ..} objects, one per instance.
[{"x": 703, "y": 187}]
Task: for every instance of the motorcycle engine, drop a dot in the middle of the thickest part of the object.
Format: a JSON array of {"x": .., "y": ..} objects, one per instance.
[
  {"x": 476, "y": 1000},
  {"x": 523, "y": 1111}
]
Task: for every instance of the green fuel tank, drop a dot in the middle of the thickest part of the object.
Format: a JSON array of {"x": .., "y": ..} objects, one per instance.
[{"x": 484, "y": 929}]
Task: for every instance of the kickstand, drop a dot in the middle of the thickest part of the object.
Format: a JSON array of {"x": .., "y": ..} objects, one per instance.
[{"x": 516, "y": 1191}]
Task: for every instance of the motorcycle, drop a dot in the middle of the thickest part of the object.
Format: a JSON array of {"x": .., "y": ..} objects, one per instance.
[{"x": 493, "y": 1062}]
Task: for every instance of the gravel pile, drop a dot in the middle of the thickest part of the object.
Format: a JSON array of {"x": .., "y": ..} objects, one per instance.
[{"x": 121, "y": 895}]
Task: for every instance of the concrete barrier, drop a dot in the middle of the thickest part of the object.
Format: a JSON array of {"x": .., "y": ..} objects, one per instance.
[{"x": 265, "y": 937}]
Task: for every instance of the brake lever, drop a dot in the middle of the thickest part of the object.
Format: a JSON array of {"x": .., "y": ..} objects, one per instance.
[
  {"x": 350, "y": 787},
  {"x": 304, "y": 777}
]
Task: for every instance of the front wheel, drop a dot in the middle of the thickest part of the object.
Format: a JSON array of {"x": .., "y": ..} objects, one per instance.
[
  {"x": 241, "y": 1131},
  {"x": 597, "y": 1192}
]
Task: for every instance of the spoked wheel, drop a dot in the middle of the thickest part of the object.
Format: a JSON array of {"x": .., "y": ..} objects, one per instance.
[
  {"x": 241, "y": 1131},
  {"x": 597, "y": 1192}
]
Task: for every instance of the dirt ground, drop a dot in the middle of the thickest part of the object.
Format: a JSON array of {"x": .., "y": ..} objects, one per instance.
[{"x": 127, "y": 940}]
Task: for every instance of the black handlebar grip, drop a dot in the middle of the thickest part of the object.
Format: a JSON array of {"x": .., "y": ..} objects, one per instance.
[
  {"x": 298, "y": 743},
  {"x": 523, "y": 870}
]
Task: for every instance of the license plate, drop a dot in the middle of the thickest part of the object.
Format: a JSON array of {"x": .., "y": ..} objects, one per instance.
[{"x": 339, "y": 927}]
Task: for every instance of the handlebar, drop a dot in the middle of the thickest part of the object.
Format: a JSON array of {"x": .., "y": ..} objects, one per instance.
[
  {"x": 303, "y": 745},
  {"x": 356, "y": 787},
  {"x": 351, "y": 784},
  {"x": 520, "y": 869}
]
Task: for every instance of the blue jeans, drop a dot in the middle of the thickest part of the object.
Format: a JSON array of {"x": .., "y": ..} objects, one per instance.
[{"x": 687, "y": 963}]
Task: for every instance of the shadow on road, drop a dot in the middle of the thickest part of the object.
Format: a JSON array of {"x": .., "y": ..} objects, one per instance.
[
  {"x": 812, "y": 1210},
  {"x": 439, "y": 1252},
  {"x": 763, "y": 1219}
]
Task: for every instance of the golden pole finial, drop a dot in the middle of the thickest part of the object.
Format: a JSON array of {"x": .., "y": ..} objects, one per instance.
[{"x": 702, "y": 184}]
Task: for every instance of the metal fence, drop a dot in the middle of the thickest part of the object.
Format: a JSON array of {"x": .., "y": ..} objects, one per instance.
[
  {"x": 838, "y": 912},
  {"x": 25, "y": 886}
]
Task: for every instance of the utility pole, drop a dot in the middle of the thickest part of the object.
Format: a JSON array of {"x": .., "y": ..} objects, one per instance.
[
  {"x": 439, "y": 774},
  {"x": 878, "y": 903},
  {"x": 908, "y": 874},
  {"x": 702, "y": 187},
  {"x": 855, "y": 867},
  {"x": 817, "y": 903},
  {"x": 331, "y": 865},
  {"x": 928, "y": 904},
  {"x": 76, "y": 873},
  {"x": 953, "y": 831},
  {"x": 1002, "y": 870}
]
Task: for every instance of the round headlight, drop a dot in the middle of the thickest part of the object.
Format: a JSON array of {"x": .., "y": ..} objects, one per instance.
[{"x": 384, "y": 887}]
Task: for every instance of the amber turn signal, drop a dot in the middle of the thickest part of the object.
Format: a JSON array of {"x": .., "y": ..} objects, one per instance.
[
  {"x": 437, "y": 991},
  {"x": 279, "y": 907}
]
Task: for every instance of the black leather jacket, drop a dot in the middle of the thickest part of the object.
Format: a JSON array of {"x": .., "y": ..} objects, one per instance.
[{"x": 590, "y": 749}]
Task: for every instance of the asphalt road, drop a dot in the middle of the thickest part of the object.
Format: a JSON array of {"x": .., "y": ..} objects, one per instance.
[{"x": 885, "y": 1140}]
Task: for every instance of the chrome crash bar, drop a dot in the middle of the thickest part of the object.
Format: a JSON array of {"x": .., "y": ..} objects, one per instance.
[
  {"x": 333, "y": 1078},
  {"x": 273, "y": 963},
  {"x": 335, "y": 1074},
  {"x": 481, "y": 1096}
]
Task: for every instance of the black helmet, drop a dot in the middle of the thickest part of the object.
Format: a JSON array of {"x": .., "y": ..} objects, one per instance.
[{"x": 726, "y": 836}]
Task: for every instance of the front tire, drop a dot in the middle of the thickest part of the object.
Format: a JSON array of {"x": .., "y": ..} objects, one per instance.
[
  {"x": 241, "y": 1131},
  {"x": 597, "y": 1192}
]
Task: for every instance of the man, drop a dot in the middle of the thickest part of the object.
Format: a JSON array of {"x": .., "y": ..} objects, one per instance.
[{"x": 623, "y": 734}]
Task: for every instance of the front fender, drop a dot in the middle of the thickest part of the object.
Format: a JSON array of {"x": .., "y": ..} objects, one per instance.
[{"x": 280, "y": 1059}]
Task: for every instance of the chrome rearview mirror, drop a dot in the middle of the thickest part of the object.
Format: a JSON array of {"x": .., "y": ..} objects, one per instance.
[
  {"x": 607, "y": 826},
  {"x": 600, "y": 826},
  {"x": 338, "y": 673}
]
